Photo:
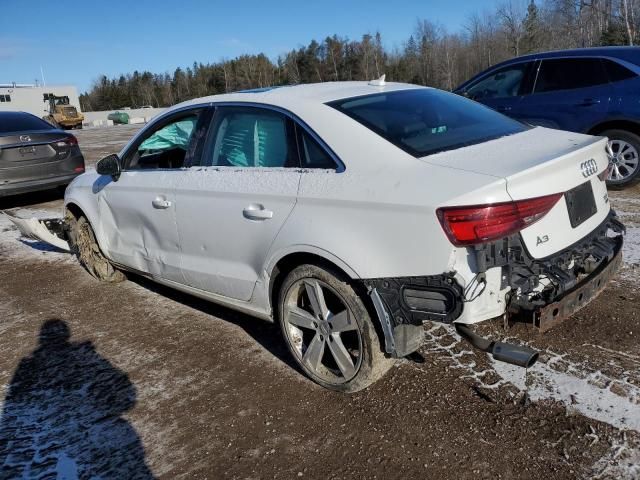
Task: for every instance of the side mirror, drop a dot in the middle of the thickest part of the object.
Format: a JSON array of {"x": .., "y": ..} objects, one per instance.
[{"x": 110, "y": 165}]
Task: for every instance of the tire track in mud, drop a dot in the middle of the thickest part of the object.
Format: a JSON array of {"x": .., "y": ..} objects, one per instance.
[{"x": 581, "y": 388}]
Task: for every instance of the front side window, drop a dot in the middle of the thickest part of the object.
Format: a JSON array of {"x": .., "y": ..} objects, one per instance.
[
  {"x": 503, "y": 83},
  {"x": 424, "y": 121},
  {"x": 165, "y": 146},
  {"x": 252, "y": 137},
  {"x": 569, "y": 73}
]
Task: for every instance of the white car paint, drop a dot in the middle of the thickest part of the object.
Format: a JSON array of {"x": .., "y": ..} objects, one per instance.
[
  {"x": 552, "y": 158},
  {"x": 375, "y": 219}
]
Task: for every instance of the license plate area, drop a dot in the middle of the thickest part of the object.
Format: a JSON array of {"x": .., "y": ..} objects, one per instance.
[
  {"x": 581, "y": 204},
  {"x": 27, "y": 150}
]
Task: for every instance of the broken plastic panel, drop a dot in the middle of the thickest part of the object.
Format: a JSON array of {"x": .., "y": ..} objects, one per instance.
[{"x": 48, "y": 230}]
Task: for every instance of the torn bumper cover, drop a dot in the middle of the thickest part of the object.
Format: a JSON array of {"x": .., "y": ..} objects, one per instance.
[
  {"x": 48, "y": 230},
  {"x": 546, "y": 291},
  {"x": 403, "y": 304},
  {"x": 545, "y": 317},
  {"x": 542, "y": 291}
]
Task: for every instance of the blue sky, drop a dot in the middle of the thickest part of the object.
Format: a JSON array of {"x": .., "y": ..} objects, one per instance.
[{"x": 116, "y": 36}]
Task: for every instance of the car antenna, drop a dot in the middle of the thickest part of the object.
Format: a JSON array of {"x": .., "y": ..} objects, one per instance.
[{"x": 380, "y": 82}]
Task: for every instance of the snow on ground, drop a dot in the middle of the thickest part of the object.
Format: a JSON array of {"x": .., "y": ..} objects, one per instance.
[
  {"x": 583, "y": 390},
  {"x": 628, "y": 209},
  {"x": 555, "y": 377},
  {"x": 631, "y": 249}
]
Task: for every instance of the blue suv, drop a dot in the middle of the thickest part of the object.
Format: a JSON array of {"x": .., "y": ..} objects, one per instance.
[{"x": 588, "y": 90}]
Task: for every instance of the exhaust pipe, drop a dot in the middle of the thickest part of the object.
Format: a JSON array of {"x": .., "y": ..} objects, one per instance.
[{"x": 504, "y": 352}]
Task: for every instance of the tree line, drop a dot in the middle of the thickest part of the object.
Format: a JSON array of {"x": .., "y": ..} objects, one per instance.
[{"x": 430, "y": 56}]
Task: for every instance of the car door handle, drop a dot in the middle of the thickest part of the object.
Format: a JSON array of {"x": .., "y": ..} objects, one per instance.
[
  {"x": 257, "y": 212},
  {"x": 587, "y": 102},
  {"x": 161, "y": 203}
]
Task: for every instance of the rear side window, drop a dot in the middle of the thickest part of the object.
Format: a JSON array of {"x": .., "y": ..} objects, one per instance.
[
  {"x": 312, "y": 154},
  {"x": 426, "y": 121},
  {"x": 252, "y": 137},
  {"x": 617, "y": 72},
  {"x": 21, "y": 122},
  {"x": 569, "y": 73}
]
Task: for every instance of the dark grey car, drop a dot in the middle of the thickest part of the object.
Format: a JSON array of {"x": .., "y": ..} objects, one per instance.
[{"x": 34, "y": 155}]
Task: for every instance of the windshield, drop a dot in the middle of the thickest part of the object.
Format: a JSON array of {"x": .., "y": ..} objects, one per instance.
[{"x": 424, "y": 121}]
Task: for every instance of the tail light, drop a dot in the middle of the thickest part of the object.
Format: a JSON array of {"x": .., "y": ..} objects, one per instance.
[
  {"x": 471, "y": 225},
  {"x": 63, "y": 146}
]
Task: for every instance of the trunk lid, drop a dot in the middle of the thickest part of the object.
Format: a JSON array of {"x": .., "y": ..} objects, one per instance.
[
  {"x": 541, "y": 162},
  {"x": 28, "y": 156}
]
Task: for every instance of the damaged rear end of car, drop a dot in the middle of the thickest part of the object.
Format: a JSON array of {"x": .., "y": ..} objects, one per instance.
[
  {"x": 534, "y": 239},
  {"x": 555, "y": 246}
]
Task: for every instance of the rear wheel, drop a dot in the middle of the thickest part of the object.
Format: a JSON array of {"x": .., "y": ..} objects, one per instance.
[
  {"x": 83, "y": 244},
  {"x": 329, "y": 331},
  {"x": 624, "y": 158}
]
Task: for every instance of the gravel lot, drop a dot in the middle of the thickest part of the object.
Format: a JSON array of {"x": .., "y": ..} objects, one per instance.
[{"x": 137, "y": 381}]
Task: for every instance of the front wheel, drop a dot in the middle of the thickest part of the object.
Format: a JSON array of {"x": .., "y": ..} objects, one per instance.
[
  {"x": 624, "y": 158},
  {"x": 83, "y": 244},
  {"x": 329, "y": 331}
]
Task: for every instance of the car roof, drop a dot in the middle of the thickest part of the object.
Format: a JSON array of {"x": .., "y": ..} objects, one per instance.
[
  {"x": 619, "y": 52},
  {"x": 8, "y": 115},
  {"x": 310, "y": 94}
]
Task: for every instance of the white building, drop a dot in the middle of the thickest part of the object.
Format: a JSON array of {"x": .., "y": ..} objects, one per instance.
[{"x": 30, "y": 98}]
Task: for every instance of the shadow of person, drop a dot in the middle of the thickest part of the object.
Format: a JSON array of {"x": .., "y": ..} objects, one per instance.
[{"x": 61, "y": 417}]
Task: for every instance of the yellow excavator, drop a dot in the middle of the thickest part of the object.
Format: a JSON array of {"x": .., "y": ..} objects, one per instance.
[{"x": 61, "y": 113}]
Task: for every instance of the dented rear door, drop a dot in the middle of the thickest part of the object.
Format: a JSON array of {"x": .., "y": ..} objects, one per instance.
[{"x": 231, "y": 208}]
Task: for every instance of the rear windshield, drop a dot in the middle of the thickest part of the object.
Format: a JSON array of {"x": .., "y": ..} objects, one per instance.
[
  {"x": 426, "y": 121},
  {"x": 21, "y": 122}
]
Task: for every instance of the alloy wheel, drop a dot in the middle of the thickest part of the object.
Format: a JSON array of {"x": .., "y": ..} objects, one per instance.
[
  {"x": 623, "y": 160},
  {"x": 322, "y": 331}
]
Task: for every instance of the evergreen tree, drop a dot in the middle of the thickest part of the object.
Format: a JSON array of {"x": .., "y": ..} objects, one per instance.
[{"x": 532, "y": 40}]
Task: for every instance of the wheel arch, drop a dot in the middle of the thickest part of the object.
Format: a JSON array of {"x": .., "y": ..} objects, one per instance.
[
  {"x": 284, "y": 263},
  {"x": 78, "y": 209},
  {"x": 75, "y": 210},
  {"x": 617, "y": 124}
]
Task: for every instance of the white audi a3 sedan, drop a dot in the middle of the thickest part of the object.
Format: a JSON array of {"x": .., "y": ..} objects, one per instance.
[{"x": 352, "y": 212}]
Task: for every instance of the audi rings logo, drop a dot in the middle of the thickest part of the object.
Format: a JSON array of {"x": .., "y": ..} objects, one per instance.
[
  {"x": 25, "y": 138},
  {"x": 588, "y": 167}
]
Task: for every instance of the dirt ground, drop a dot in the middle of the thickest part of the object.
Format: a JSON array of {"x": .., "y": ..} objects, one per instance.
[{"x": 137, "y": 381}]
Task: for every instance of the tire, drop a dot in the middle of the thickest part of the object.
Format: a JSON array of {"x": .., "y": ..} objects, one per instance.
[
  {"x": 341, "y": 351},
  {"x": 626, "y": 167},
  {"x": 84, "y": 246}
]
